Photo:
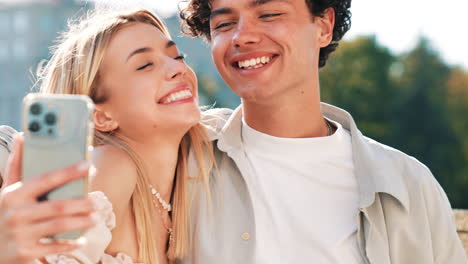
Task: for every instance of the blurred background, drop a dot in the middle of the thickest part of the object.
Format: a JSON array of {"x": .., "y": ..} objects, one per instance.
[{"x": 402, "y": 72}]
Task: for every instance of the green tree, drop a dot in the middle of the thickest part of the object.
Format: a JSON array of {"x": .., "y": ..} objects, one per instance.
[
  {"x": 457, "y": 102},
  {"x": 422, "y": 125},
  {"x": 358, "y": 79},
  {"x": 207, "y": 89},
  {"x": 458, "y": 105}
]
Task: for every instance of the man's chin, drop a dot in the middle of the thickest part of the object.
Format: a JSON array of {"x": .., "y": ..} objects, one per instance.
[{"x": 257, "y": 95}]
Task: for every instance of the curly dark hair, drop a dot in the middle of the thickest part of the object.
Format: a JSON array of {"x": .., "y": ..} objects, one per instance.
[{"x": 196, "y": 20}]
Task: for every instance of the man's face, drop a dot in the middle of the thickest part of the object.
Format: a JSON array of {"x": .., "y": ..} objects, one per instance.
[{"x": 264, "y": 49}]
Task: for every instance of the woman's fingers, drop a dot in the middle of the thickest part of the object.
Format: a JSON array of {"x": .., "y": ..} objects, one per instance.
[
  {"x": 21, "y": 243},
  {"x": 16, "y": 193},
  {"x": 53, "y": 248},
  {"x": 51, "y": 209},
  {"x": 19, "y": 235},
  {"x": 59, "y": 226},
  {"x": 45, "y": 183},
  {"x": 27, "y": 253}
]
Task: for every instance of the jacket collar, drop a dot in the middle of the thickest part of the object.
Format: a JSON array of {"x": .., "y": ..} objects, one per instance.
[{"x": 376, "y": 171}]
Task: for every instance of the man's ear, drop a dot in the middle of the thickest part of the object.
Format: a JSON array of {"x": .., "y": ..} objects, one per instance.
[
  {"x": 103, "y": 120},
  {"x": 326, "y": 23}
]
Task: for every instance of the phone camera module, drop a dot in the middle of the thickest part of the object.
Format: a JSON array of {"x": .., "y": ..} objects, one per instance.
[
  {"x": 34, "y": 127},
  {"x": 50, "y": 119},
  {"x": 36, "y": 109}
]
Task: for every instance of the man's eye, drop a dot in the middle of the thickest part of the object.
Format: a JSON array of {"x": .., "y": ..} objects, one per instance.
[
  {"x": 181, "y": 57},
  {"x": 145, "y": 66},
  {"x": 223, "y": 25},
  {"x": 270, "y": 15}
]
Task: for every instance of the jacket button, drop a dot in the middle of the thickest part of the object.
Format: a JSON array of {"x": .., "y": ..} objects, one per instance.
[{"x": 245, "y": 236}]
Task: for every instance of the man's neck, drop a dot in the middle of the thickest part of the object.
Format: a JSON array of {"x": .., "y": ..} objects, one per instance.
[{"x": 290, "y": 117}]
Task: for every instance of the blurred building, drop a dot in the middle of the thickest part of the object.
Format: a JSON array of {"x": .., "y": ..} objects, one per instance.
[{"x": 27, "y": 29}]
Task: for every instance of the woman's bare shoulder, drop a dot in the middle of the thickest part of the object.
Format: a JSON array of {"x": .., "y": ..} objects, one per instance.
[{"x": 116, "y": 176}]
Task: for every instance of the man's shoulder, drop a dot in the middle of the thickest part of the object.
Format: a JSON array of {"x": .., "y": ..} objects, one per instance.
[
  {"x": 214, "y": 120},
  {"x": 428, "y": 206},
  {"x": 410, "y": 168}
]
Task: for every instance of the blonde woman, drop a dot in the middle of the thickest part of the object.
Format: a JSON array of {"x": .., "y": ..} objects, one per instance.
[{"x": 146, "y": 119}]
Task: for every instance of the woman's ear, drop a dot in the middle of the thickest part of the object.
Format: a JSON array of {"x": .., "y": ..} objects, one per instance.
[
  {"x": 103, "y": 120},
  {"x": 327, "y": 24}
]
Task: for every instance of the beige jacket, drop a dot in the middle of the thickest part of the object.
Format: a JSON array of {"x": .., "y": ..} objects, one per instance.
[{"x": 405, "y": 216}]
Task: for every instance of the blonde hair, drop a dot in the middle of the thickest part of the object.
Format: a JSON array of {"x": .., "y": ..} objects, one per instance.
[{"x": 74, "y": 69}]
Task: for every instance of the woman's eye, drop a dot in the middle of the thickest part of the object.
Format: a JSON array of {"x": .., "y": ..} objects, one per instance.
[
  {"x": 180, "y": 57},
  {"x": 270, "y": 15},
  {"x": 145, "y": 66}
]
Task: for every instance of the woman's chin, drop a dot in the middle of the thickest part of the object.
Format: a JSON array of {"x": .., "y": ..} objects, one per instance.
[
  {"x": 182, "y": 122},
  {"x": 193, "y": 119}
]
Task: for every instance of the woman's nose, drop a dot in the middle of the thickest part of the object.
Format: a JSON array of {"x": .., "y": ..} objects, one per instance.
[{"x": 175, "y": 68}]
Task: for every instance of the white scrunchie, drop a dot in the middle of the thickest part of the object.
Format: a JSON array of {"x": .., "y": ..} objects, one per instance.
[{"x": 6, "y": 141}]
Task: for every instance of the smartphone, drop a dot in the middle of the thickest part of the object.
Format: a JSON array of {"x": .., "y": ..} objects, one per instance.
[{"x": 58, "y": 132}]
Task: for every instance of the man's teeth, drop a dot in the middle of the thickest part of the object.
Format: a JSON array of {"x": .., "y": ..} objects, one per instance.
[
  {"x": 181, "y": 95},
  {"x": 254, "y": 63}
]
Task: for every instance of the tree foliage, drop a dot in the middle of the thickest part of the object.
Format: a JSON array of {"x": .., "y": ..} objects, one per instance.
[{"x": 413, "y": 102}]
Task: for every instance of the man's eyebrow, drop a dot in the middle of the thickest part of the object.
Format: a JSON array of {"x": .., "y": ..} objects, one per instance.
[
  {"x": 256, "y": 3},
  {"x": 220, "y": 11},
  {"x": 252, "y": 4},
  {"x": 137, "y": 51}
]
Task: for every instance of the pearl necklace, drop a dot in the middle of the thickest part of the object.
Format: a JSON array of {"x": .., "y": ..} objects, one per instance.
[{"x": 167, "y": 206}]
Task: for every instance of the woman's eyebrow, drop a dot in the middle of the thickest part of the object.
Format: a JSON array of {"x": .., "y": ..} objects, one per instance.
[
  {"x": 169, "y": 44},
  {"x": 138, "y": 51}
]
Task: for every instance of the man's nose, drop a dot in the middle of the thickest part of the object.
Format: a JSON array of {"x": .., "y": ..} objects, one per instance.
[{"x": 246, "y": 33}]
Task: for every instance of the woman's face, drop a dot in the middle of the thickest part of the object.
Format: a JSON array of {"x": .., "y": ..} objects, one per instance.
[{"x": 149, "y": 88}]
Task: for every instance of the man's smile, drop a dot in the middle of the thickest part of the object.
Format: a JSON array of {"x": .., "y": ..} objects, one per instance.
[{"x": 253, "y": 62}]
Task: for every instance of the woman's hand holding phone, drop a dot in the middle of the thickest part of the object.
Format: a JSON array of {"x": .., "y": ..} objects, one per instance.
[{"x": 24, "y": 221}]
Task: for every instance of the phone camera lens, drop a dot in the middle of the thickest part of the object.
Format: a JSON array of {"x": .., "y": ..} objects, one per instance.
[
  {"x": 50, "y": 119},
  {"x": 36, "y": 109},
  {"x": 34, "y": 127}
]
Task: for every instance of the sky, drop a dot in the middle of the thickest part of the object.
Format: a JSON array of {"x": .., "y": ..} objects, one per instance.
[{"x": 397, "y": 24}]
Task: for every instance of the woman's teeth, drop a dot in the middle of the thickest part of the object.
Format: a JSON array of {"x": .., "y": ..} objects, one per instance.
[
  {"x": 181, "y": 95},
  {"x": 254, "y": 63}
]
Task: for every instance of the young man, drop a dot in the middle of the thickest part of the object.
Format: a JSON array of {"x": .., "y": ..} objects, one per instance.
[{"x": 297, "y": 181}]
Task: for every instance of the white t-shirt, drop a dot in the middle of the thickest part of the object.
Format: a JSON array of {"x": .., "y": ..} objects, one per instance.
[{"x": 305, "y": 198}]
